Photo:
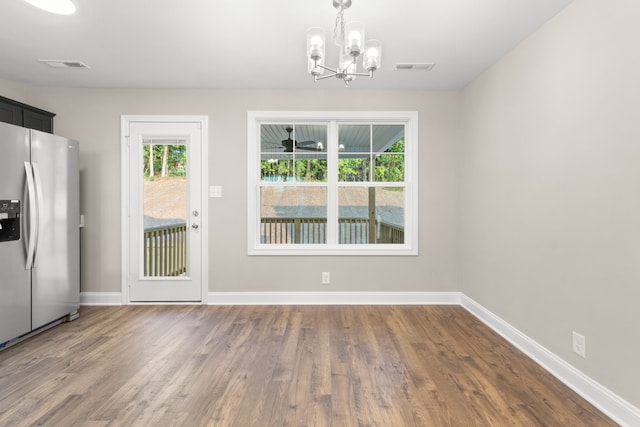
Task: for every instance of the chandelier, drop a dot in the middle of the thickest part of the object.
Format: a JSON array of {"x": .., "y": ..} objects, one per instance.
[{"x": 350, "y": 39}]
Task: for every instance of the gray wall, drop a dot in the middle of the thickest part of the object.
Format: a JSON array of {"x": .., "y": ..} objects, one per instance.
[
  {"x": 93, "y": 117},
  {"x": 550, "y": 200},
  {"x": 13, "y": 90}
]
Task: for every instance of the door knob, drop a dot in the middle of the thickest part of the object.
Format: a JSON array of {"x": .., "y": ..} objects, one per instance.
[{"x": 194, "y": 226}]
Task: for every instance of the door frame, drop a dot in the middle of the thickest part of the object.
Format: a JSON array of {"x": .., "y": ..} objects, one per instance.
[{"x": 125, "y": 185}]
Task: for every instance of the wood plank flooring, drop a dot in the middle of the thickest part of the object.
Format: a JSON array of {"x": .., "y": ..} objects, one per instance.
[{"x": 280, "y": 366}]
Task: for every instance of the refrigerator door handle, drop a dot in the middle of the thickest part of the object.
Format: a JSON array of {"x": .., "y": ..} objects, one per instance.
[
  {"x": 33, "y": 216},
  {"x": 38, "y": 182}
]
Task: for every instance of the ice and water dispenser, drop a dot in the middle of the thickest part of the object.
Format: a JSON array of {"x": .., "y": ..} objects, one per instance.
[{"x": 9, "y": 220}]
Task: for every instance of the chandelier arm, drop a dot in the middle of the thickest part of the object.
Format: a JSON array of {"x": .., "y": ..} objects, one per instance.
[
  {"x": 327, "y": 76},
  {"x": 369, "y": 74},
  {"x": 326, "y": 68}
]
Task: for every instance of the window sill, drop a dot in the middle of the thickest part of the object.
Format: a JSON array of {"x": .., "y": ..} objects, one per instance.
[{"x": 342, "y": 250}]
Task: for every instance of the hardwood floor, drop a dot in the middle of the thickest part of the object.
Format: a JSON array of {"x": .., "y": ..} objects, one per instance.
[{"x": 280, "y": 366}]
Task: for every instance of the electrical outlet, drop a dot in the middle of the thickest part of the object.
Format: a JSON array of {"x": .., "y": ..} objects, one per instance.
[
  {"x": 579, "y": 345},
  {"x": 326, "y": 277}
]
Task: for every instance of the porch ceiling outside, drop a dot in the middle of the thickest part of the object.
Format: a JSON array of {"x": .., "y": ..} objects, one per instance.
[{"x": 353, "y": 137}]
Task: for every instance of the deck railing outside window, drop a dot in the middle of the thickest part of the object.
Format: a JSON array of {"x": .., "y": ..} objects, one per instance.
[
  {"x": 165, "y": 247},
  {"x": 313, "y": 230}
]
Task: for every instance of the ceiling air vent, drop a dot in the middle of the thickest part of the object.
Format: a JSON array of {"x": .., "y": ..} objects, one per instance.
[
  {"x": 414, "y": 66},
  {"x": 55, "y": 63}
]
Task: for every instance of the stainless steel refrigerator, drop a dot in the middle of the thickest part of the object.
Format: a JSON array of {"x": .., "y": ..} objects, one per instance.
[{"x": 39, "y": 231}]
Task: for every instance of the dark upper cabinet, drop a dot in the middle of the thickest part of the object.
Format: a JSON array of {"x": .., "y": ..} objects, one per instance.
[
  {"x": 37, "y": 120},
  {"x": 25, "y": 115},
  {"x": 10, "y": 113}
]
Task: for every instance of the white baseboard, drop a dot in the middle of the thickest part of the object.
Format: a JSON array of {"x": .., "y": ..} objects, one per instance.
[
  {"x": 599, "y": 396},
  {"x": 333, "y": 298},
  {"x": 299, "y": 298},
  {"x": 100, "y": 298}
]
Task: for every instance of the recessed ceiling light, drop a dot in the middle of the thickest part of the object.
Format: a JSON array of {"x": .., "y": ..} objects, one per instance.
[{"x": 61, "y": 7}]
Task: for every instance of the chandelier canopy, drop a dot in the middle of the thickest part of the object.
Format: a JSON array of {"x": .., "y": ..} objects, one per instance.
[{"x": 350, "y": 39}]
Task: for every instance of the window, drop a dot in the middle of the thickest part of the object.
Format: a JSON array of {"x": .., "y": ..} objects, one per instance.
[{"x": 332, "y": 183}]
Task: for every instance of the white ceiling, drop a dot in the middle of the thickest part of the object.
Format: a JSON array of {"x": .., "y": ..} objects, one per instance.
[{"x": 257, "y": 43}]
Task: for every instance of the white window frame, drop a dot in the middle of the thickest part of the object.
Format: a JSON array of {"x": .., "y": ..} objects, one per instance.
[{"x": 408, "y": 118}]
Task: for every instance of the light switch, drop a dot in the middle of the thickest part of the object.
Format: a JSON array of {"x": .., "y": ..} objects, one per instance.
[{"x": 215, "y": 191}]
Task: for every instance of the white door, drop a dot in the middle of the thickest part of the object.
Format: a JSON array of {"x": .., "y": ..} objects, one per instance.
[{"x": 165, "y": 218}]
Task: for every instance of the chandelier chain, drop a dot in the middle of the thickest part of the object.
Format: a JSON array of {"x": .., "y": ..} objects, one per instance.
[{"x": 338, "y": 30}]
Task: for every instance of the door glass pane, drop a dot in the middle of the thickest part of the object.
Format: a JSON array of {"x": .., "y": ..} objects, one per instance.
[
  {"x": 165, "y": 208},
  {"x": 368, "y": 215},
  {"x": 293, "y": 215}
]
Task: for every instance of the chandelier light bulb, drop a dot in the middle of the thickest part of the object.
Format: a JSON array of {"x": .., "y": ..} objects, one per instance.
[
  {"x": 315, "y": 51},
  {"x": 355, "y": 41},
  {"x": 355, "y": 38},
  {"x": 372, "y": 55},
  {"x": 316, "y": 46},
  {"x": 60, "y": 7},
  {"x": 315, "y": 43}
]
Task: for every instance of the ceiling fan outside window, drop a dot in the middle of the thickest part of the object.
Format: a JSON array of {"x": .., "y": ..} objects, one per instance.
[{"x": 290, "y": 143}]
